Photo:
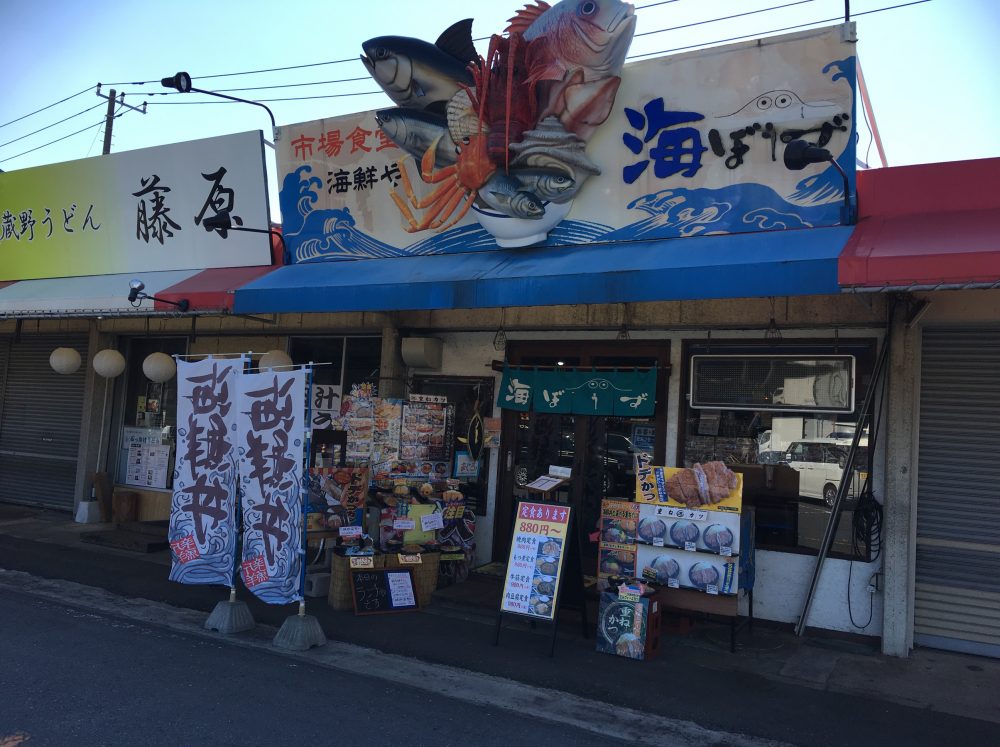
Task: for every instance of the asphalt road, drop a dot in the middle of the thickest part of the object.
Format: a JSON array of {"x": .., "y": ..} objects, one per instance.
[{"x": 75, "y": 677}]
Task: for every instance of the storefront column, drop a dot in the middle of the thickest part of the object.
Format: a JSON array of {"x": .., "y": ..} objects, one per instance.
[
  {"x": 899, "y": 503},
  {"x": 392, "y": 370},
  {"x": 93, "y": 432}
]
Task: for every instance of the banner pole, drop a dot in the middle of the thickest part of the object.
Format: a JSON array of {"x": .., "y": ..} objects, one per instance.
[
  {"x": 232, "y": 615},
  {"x": 307, "y": 448},
  {"x": 301, "y": 632}
]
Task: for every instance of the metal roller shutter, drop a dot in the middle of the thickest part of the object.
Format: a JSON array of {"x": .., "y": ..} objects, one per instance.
[
  {"x": 957, "y": 596},
  {"x": 40, "y": 422}
]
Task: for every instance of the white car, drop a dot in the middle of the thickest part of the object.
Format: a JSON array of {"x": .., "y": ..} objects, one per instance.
[{"x": 820, "y": 463}]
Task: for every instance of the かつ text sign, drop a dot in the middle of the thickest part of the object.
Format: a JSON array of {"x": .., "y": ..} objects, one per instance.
[
  {"x": 534, "y": 566},
  {"x": 381, "y": 591}
]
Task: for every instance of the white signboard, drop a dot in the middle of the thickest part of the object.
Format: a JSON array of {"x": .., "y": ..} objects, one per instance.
[{"x": 138, "y": 211}]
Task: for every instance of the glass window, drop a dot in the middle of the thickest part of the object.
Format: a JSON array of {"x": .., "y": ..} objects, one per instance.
[
  {"x": 793, "y": 462},
  {"x": 149, "y": 415},
  {"x": 364, "y": 356},
  {"x": 467, "y": 396}
]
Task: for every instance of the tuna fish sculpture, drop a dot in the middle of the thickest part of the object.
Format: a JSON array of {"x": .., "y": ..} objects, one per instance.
[{"x": 505, "y": 135}]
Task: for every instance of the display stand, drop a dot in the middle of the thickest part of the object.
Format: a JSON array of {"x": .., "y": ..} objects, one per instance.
[
  {"x": 571, "y": 571},
  {"x": 683, "y": 601}
]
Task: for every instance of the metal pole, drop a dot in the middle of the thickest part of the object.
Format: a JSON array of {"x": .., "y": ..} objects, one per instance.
[
  {"x": 109, "y": 121},
  {"x": 845, "y": 482},
  {"x": 866, "y": 102}
]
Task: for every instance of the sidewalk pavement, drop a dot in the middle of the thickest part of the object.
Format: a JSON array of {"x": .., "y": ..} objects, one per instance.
[{"x": 815, "y": 690}]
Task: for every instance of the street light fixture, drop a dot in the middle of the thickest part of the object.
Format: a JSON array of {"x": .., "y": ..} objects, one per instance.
[
  {"x": 136, "y": 295},
  {"x": 181, "y": 82},
  {"x": 801, "y": 153}
]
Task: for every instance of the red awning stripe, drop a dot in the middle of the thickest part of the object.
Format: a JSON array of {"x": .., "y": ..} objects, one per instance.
[{"x": 926, "y": 226}]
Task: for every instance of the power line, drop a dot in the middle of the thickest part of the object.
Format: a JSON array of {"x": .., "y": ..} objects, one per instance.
[
  {"x": 294, "y": 98},
  {"x": 42, "y": 129},
  {"x": 310, "y": 64},
  {"x": 772, "y": 31},
  {"x": 78, "y": 93},
  {"x": 724, "y": 18},
  {"x": 64, "y": 137},
  {"x": 292, "y": 85}
]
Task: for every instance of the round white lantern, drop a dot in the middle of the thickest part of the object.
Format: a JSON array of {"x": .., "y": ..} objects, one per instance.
[
  {"x": 109, "y": 363},
  {"x": 274, "y": 359},
  {"x": 159, "y": 367},
  {"x": 65, "y": 361}
]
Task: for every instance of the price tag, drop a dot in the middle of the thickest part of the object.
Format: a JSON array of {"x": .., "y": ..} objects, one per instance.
[
  {"x": 657, "y": 541},
  {"x": 726, "y": 551},
  {"x": 712, "y": 589},
  {"x": 629, "y": 593},
  {"x": 362, "y": 561},
  {"x": 673, "y": 583},
  {"x": 350, "y": 531},
  {"x": 690, "y": 546},
  {"x": 403, "y": 524},
  {"x": 431, "y": 521},
  {"x": 414, "y": 559}
]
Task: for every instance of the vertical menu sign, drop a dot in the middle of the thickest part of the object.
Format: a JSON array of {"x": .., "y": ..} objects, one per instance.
[{"x": 534, "y": 568}]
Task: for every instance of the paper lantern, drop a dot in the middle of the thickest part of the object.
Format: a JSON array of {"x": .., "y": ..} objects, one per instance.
[
  {"x": 65, "y": 361},
  {"x": 274, "y": 359},
  {"x": 109, "y": 363},
  {"x": 159, "y": 367}
]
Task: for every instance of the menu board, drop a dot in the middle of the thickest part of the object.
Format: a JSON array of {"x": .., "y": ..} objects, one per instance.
[
  {"x": 682, "y": 569},
  {"x": 616, "y": 552},
  {"x": 148, "y": 465},
  {"x": 716, "y": 532},
  {"x": 359, "y": 421},
  {"x": 388, "y": 424},
  {"x": 381, "y": 591},
  {"x": 535, "y": 563}
]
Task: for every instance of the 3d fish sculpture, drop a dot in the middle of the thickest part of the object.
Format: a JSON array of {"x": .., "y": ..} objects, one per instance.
[{"x": 506, "y": 132}]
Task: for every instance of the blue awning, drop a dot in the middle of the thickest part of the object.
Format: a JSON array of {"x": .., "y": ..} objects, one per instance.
[{"x": 770, "y": 263}]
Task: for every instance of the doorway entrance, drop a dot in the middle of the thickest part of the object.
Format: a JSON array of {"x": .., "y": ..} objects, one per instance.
[{"x": 599, "y": 449}]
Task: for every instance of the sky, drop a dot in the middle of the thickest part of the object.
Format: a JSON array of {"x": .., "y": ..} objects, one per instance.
[{"x": 930, "y": 67}]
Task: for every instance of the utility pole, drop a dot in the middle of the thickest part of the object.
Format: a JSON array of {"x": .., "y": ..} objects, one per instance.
[{"x": 109, "y": 120}]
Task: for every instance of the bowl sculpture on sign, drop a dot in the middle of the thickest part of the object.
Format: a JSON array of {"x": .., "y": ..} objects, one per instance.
[{"x": 503, "y": 136}]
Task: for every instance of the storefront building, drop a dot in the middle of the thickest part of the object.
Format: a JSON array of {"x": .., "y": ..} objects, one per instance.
[
  {"x": 928, "y": 237},
  {"x": 659, "y": 267},
  {"x": 710, "y": 283}
]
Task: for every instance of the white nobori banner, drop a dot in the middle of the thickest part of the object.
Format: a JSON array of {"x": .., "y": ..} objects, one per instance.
[
  {"x": 271, "y": 428},
  {"x": 203, "y": 518}
]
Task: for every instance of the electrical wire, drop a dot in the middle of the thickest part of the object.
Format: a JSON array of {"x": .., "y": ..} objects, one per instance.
[
  {"x": 42, "y": 129},
  {"x": 773, "y": 31},
  {"x": 293, "y": 98},
  {"x": 370, "y": 93},
  {"x": 59, "y": 140},
  {"x": 724, "y": 18},
  {"x": 61, "y": 101},
  {"x": 866, "y": 520}
]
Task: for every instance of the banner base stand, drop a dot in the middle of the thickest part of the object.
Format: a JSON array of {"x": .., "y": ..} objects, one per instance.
[
  {"x": 229, "y": 617},
  {"x": 300, "y": 632}
]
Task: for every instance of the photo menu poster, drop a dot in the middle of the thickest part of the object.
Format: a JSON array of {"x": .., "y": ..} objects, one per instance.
[{"x": 534, "y": 567}]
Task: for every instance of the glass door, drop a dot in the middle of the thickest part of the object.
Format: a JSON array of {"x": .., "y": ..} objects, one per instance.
[{"x": 598, "y": 449}]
